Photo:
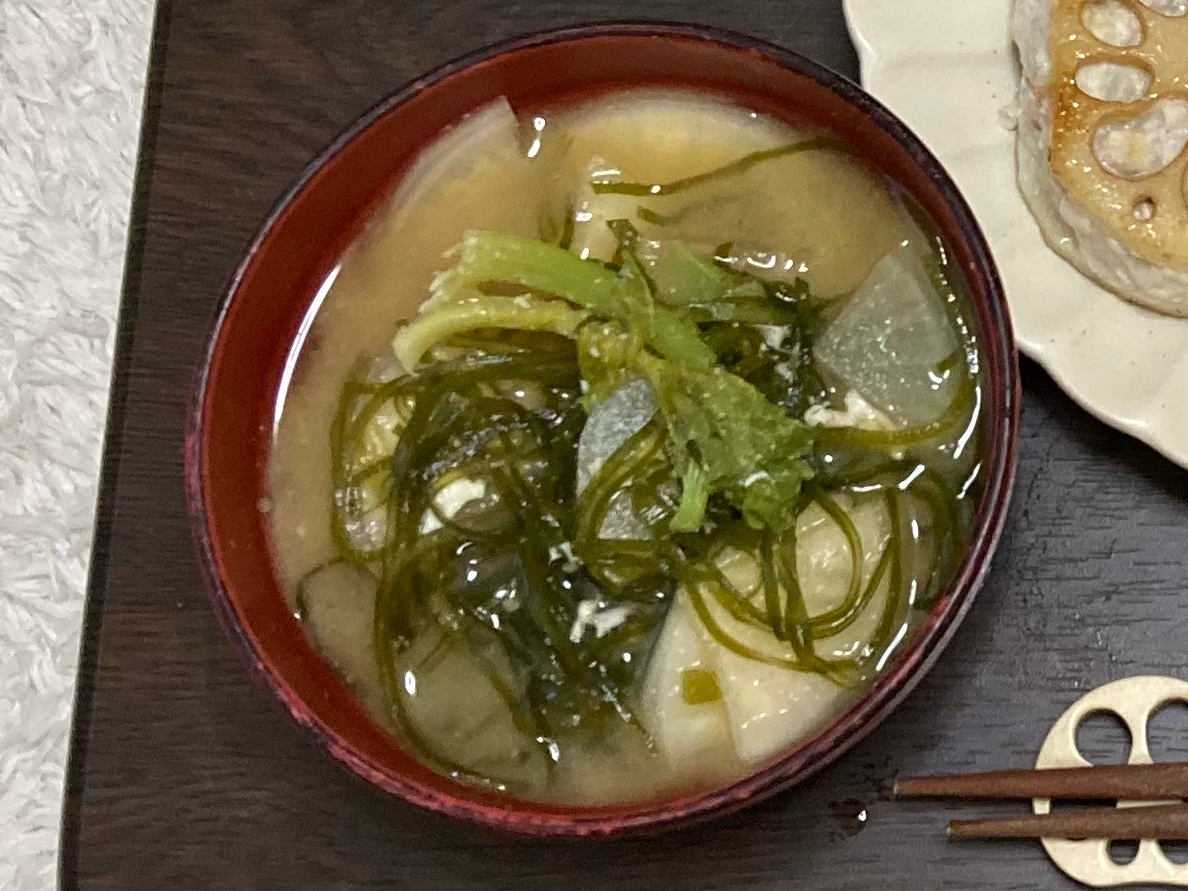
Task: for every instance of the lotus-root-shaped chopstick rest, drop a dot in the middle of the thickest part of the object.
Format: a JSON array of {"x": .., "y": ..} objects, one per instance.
[{"x": 1134, "y": 700}]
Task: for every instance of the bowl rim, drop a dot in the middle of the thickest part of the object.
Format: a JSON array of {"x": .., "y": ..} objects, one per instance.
[{"x": 844, "y": 730}]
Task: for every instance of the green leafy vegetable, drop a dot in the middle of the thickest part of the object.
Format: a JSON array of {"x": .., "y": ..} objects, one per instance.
[
  {"x": 497, "y": 257},
  {"x": 695, "y": 492},
  {"x": 724, "y": 436},
  {"x": 444, "y": 320},
  {"x": 681, "y": 277}
]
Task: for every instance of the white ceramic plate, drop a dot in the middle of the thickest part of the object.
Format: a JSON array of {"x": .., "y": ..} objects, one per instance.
[{"x": 946, "y": 68}]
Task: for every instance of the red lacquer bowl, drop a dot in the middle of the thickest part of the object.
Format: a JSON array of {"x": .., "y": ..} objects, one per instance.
[{"x": 301, "y": 241}]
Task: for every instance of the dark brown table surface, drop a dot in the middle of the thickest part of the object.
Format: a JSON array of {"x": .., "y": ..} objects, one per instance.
[{"x": 184, "y": 775}]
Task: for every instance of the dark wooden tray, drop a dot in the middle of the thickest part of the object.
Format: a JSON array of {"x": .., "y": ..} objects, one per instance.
[{"x": 184, "y": 775}]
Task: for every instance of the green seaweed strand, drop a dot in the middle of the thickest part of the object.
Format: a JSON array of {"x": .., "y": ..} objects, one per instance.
[{"x": 743, "y": 164}]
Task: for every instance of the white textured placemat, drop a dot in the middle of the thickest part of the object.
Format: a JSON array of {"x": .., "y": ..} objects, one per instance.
[{"x": 71, "y": 89}]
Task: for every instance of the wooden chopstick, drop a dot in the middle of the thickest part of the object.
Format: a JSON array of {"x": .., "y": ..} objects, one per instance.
[
  {"x": 1166, "y": 822},
  {"x": 1138, "y": 782}
]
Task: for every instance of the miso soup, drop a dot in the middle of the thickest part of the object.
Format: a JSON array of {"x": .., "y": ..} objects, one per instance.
[{"x": 626, "y": 446}]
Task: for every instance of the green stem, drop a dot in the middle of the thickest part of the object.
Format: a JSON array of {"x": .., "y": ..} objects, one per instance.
[{"x": 497, "y": 257}]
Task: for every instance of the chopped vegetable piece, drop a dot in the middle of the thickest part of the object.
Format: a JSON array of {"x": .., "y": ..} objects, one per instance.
[
  {"x": 444, "y": 320},
  {"x": 496, "y": 257},
  {"x": 336, "y": 603},
  {"x": 724, "y": 435},
  {"x": 890, "y": 340},
  {"x": 695, "y": 493},
  {"x": 745, "y": 446},
  {"x": 682, "y": 277},
  {"x": 700, "y": 686}
]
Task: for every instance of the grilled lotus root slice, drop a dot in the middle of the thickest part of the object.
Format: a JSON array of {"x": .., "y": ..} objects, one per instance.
[{"x": 1124, "y": 161}]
